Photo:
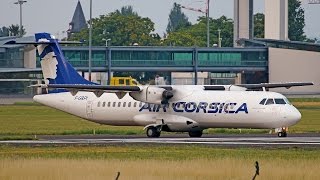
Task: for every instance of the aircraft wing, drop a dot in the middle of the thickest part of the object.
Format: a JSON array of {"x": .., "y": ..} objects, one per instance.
[
  {"x": 98, "y": 90},
  {"x": 155, "y": 95},
  {"x": 90, "y": 87},
  {"x": 274, "y": 85}
]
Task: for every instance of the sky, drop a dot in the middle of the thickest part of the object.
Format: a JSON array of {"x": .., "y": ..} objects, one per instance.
[{"x": 53, "y": 16}]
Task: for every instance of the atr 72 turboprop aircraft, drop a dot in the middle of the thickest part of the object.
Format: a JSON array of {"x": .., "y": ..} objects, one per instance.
[{"x": 173, "y": 108}]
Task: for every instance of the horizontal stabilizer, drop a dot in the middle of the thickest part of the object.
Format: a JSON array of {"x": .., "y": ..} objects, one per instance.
[
  {"x": 274, "y": 85},
  {"x": 40, "y": 42}
]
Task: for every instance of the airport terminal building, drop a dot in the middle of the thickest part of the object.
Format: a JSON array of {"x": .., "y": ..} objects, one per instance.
[
  {"x": 274, "y": 59},
  {"x": 254, "y": 61}
]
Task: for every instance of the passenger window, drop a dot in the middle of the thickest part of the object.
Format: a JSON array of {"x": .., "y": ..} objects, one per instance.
[
  {"x": 114, "y": 104},
  {"x": 103, "y": 104},
  {"x": 119, "y": 104},
  {"x": 99, "y": 104},
  {"x": 135, "y": 104},
  {"x": 263, "y": 101},
  {"x": 129, "y": 104},
  {"x": 140, "y": 104},
  {"x": 279, "y": 101},
  {"x": 269, "y": 101},
  {"x": 127, "y": 82},
  {"x": 121, "y": 81},
  {"x": 124, "y": 104},
  {"x": 109, "y": 104}
]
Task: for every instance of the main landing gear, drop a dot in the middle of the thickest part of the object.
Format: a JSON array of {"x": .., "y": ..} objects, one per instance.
[
  {"x": 153, "y": 131},
  {"x": 195, "y": 133},
  {"x": 282, "y": 132}
]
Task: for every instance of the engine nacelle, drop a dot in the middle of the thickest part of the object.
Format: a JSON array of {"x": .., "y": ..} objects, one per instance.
[
  {"x": 153, "y": 95},
  {"x": 181, "y": 124},
  {"x": 173, "y": 123}
]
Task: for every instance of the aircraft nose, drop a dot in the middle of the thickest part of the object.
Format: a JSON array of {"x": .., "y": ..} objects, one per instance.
[{"x": 294, "y": 116}]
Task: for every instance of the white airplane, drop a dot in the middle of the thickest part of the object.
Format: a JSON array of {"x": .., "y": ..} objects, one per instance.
[{"x": 172, "y": 108}]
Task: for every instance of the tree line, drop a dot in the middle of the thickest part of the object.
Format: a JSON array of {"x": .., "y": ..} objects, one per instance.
[
  {"x": 125, "y": 27},
  {"x": 12, "y": 30}
]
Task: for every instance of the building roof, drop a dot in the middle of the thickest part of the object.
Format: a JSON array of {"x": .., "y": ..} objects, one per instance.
[
  {"x": 78, "y": 20},
  {"x": 298, "y": 45},
  {"x": 3, "y": 40}
]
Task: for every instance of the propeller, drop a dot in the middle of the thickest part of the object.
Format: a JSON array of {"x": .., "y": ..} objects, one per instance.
[{"x": 166, "y": 95}]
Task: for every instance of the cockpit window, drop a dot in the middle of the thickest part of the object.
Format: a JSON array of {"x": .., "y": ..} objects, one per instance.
[
  {"x": 287, "y": 101},
  {"x": 269, "y": 101},
  {"x": 263, "y": 101},
  {"x": 280, "y": 101}
]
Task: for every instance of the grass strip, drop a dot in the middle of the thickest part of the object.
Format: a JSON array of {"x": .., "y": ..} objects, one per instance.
[{"x": 158, "y": 152}]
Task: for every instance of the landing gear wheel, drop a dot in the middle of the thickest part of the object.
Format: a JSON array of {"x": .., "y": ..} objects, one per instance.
[
  {"x": 153, "y": 132},
  {"x": 195, "y": 133},
  {"x": 282, "y": 134}
]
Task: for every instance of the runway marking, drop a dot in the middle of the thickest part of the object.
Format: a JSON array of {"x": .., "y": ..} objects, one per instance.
[{"x": 315, "y": 141}]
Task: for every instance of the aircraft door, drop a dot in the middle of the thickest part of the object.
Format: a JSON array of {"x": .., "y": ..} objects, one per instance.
[{"x": 89, "y": 109}]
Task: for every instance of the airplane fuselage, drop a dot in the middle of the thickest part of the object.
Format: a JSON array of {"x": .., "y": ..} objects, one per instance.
[{"x": 195, "y": 108}]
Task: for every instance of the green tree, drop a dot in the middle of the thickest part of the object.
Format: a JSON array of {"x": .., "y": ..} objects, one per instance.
[
  {"x": 123, "y": 30},
  {"x": 12, "y": 30},
  {"x": 4, "y": 31},
  {"x": 258, "y": 25},
  {"x": 196, "y": 35},
  {"x": 296, "y": 21},
  {"x": 177, "y": 19},
  {"x": 127, "y": 11}
]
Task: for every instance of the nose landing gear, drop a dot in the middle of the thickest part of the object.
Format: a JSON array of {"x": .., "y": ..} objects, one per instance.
[{"x": 282, "y": 132}]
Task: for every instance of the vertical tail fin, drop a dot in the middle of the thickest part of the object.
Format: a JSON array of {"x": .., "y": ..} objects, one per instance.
[{"x": 55, "y": 68}]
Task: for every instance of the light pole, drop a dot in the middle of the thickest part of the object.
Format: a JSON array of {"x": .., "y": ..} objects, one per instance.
[
  {"x": 219, "y": 38},
  {"x": 20, "y": 2},
  {"x": 90, "y": 40},
  {"x": 107, "y": 40},
  {"x": 109, "y": 59},
  {"x": 208, "y": 29}
]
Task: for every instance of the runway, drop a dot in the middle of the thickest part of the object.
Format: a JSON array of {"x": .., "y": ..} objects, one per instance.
[{"x": 312, "y": 140}]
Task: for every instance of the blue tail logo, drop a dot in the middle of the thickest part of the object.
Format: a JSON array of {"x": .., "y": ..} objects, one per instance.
[{"x": 55, "y": 68}]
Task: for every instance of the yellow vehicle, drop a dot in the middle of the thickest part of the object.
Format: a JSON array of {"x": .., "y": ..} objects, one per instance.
[{"x": 123, "y": 81}]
